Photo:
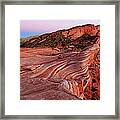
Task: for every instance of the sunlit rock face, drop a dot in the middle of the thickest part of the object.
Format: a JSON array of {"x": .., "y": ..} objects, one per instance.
[{"x": 62, "y": 65}]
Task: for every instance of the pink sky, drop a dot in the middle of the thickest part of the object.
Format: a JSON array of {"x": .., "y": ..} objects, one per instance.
[{"x": 51, "y": 25}]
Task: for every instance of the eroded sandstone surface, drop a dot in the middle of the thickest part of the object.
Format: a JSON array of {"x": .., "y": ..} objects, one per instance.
[{"x": 62, "y": 65}]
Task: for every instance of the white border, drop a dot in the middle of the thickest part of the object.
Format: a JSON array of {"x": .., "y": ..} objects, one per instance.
[{"x": 13, "y": 15}]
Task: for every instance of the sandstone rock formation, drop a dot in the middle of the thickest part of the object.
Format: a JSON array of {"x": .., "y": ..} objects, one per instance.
[{"x": 62, "y": 65}]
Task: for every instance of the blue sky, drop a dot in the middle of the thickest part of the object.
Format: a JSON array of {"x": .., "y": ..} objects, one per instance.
[{"x": 27, "y": 34}]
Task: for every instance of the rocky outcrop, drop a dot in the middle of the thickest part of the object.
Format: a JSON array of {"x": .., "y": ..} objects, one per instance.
[
  {"x": 63, "y": 38},
  {"x": 61, "y": 65}
]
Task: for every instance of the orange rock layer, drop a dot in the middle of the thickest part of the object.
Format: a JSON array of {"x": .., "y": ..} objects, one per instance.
[{"x": 69, "y": 71}]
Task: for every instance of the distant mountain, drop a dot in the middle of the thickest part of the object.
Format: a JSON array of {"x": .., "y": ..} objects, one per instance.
[{"x": 77, "y": 37}]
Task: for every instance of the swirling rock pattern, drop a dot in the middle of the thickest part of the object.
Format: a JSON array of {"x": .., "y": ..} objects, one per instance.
[{"x": 63, "y": 65}]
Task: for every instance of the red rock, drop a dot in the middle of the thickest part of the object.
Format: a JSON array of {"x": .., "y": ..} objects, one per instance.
[{"x": 66, "y": 73}]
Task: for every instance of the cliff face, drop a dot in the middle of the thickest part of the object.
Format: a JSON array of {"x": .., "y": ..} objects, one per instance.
[{"x": 61, "y": 65}]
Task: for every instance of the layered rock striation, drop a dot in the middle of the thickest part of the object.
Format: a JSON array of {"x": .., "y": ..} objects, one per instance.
[{"x": 62, "y": 65}]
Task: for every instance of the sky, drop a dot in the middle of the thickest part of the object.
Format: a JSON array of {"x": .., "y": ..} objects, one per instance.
[{"x": 38, "y": 27}]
